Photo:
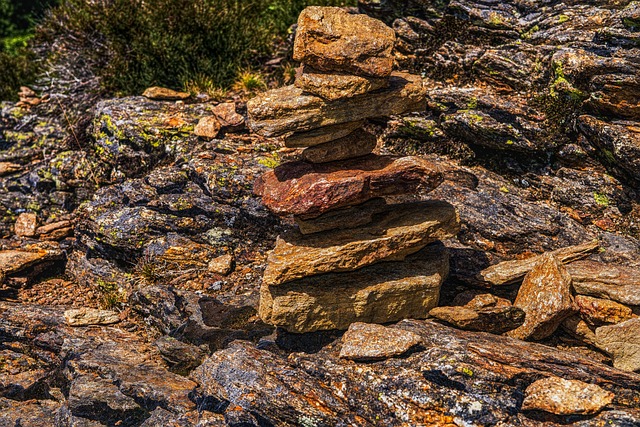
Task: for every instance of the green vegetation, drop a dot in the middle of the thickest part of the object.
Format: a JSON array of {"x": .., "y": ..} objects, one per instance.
[
  {"x": 601, "y": 199},
  {"x": 134, "y": 44}
]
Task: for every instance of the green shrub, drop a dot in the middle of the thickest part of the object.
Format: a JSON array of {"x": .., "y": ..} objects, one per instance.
[
  {"x": 134, "y": 44},
  {"x": 16, "y": 69}
]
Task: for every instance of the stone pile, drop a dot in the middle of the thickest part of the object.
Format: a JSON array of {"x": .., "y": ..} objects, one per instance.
[{"x": 358, "y": 254}]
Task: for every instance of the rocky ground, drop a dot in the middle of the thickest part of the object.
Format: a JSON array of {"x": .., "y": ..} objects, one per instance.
[{"x": 131, "y": 257}]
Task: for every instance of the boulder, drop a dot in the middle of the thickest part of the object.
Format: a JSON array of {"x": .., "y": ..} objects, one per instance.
[
  {"x": 207, "y": 127},
  {"x": 333, "y": 86},
  {"x": 565, "y": 397},
  {"x": 545, "y": 297},
  {"x": 598, "y": 311},
  {"x": 401, "y": 231},
  {"x": 309, "y": 190},
  {"x": 289, "y": 108},
  {"x": 357, "y": 144},
  {"x": 367, "y": 341},
  {"x": 381, "y": 293},
  {"x": 332, "y": 39}
]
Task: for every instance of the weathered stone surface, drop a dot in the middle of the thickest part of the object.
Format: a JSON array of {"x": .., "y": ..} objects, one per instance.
[
  {"x": 602, "y": 280},
  {"x": 289, "y": 109},
  {"x": 321, "y": 135},
  {"x": 367, "y": 341},
  {"x": 227, "y": 115},
  {"x": 598, "y": 311},
  {"x": 381, "y": 293},
  {"x": 340, "y": 219},
  {"x": 26, "y": 224},
  {"x": 333, "y": 86},
  {"x": 90, "y": 316},
  {"x": 16, "y": 261},
  {"x": 566, "y": 397},
  {"x": 301, "y": 188},
  {"x": 356, "y": 144},
  {"x": 496, "y": 320},
  {"x": 55, "y": 231},
  {"x": 164, "y": 94},
  {"x": 508, "y": 272},
  {"x": 207, "y": 127},
  {"x": 403, "y": 230},
  {"x": 545, "y": 297},
  {"x": 7, "y": 168},
  {"x": 221, "y": 265},
  {"x": 622, "y": 342},
  {"x": 458, "y": 378},
  {"x": 331, "y": 39}
]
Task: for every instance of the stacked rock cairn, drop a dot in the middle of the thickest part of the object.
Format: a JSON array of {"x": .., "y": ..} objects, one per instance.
[{"x": 366, "y": 244}]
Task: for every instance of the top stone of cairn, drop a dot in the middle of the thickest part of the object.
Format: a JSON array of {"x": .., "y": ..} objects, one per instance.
[{"x": 331, "y": 39}]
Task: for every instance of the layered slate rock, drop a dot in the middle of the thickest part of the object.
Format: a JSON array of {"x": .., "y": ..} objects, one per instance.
[
  {"x": 332, "y": 86},
  {"x": 366, "y": 341},
  {"x": 401, "y": 231},
  {"x": 566, "y": 397},
  {"x": 381, "y": 293},
  {"x": 344, "y": 218},
  {"x": 301, "y": 188},
  {"x": 321, "y": 135},
  {"x": 603, "y": 280},
  {"x": 290, "y": 109},
  {"x": 329, "y": 38},
  {"x": 622, "y": 342},
  {"x": 356, "y": 144},
  {"x": 545, "y": 297}
]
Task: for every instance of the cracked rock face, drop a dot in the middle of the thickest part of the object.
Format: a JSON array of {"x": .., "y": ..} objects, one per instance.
[{"x": 566, "y": 397}]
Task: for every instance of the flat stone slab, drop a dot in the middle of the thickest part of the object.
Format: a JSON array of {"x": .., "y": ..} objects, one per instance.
[
  {"x": 545, "y": 297},
  {"x": 332, "y": 39},
  {"x": 368, "y": 341},
  {"x": 321, "y": 135},
  {"x": 290, "y": 109},
  {"x": 333, "y": 86},
  {"x": 301, "y": 188},
  {"x": 496, "y": 319},
  {"x": 597, "y": 311},
  {"x": 357, "y": 144},
  {"x": 345, "y": 218},
  {"x": 622, "y": 342},
  {"x": 566, "y": 397},
  {"x": 381, "y": 293},
  {"x": 90, "y": 316},
  {"x": 403, "y": 230},
  {"x": 602, "y": 280},
  {"x": 508, "y": 272},
  {"x": 13, "y": 261}
]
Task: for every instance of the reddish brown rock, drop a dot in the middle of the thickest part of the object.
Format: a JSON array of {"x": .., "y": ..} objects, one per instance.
[
  {"x": 495, "y": 319},
  {"x": 367, "y": 341},
  {"x": 321, "y": 135},
  {"x": 207, "y": 127},
  {"x": 221, "y": 265},
  {"x": 476, "y": 300},
  {"x": 579, "y": 329},
  {"x": 615, "y": 282},
  {"x": 301, "y": 188},
  {"x": 545, "y": 297},
  {"x": 622, "y": 342},
  {"x": 227, "y": 115},
  {"x": 333, "y": 86},
  {"x": 356, "y": 144},
  {"x": 55, "y": 231},
  {"x": 7, "y": 168},
  {"x": 403, "y": 230},
  {"x": 26, "y": 224},
  {"x": 340, "y": 219},
  {"x": 598, "y": 311},
  {"x": 566, "y": 397},
  {"x": 290, "y": 109},
  {"x": 380, "y": 293},
  {"x": 14, "y": 261},
  {"x": 164, "y": 94},
  {"x": 508, "y": 272},
  {"x": 331, "y": 39}
]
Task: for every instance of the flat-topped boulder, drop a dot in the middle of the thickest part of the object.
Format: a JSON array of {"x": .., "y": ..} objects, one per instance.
[
  {"x": 332, "y": 86},
  {"x": 332, "y": 39},
  {"x": 291, "y": 109},
  {"x": 301, "y": 188},
  {"x": 604, "y": 280},
  {"x": 380, "y": 293},
  {"x": 401, "y": 231},
  {"x": 356, "y": 144}
]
